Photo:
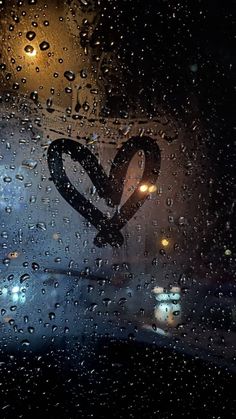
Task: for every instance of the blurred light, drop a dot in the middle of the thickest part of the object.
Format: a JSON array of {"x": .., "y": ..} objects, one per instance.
[
  {"x": 228, "y": 252},
  {"x": 4, "y": 291},
  {"x": 165, "y": 242},
  {"x": 30, "y": 51},
  {"x": 158, "y": 290},
  {"x": 168, "y": 308},
  {"x": 152, "y": 188},
  {"x": 56, "y": 236},
  {"x": 15, "y": 297},
  {"x": 143, "y": 188},
  {"x": 175, "y": 289},
  {"x": 168, "y": 297},
  {"x": 168, "y": 313},
  {"x": 15, "y": 289},
  {"x": 13, "y": 255}
]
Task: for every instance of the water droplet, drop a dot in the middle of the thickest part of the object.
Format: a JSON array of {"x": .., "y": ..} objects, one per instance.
[
  {"x": 19, "y": 177},
  {"x": 7, "y": 179},
  {"x": 41, "y": 226},
  {"x": 169, "y": 202},
  {"x": 44, "y": 46},
  {"x": 6, "y": 261},
  {"x": 29, "y": 49},
  {"x": 122, "y": 301},
  {"x": 49, "y": 103},
  {"x": 33, "y": 199},
  {"x": 181, "y": 221},
  {"x": 30, "y": 35},
  {"x": 69, "y": 75},
  {"x": 90, "y": 288},
  {"x": 29, "y": 164},
  {"x": 24, "y": 278},
  {"x": 35, "y": 266},
  {"x": 51, "y": 315},
  {"x": 93, "y": 306},
  {"x": 83, "y": 74},
  {"x": 98, "y": 262},
  {"x": 25, "y": 342},
  {"x": 34, "y": 96},
  {"x": 106, "y": 301}
]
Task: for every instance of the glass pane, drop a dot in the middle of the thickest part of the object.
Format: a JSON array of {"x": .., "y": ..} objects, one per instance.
[{"x": 117, "y": 291}]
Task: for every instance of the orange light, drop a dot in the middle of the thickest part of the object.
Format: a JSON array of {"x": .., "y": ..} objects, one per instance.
[
  {"x": 165, "y": 242},
  {"x": 13, "y": 255},
  {"x": 152, "y": 188},
  {"x": 30, "y": 51},
  {"x": 143, "y": 188}
]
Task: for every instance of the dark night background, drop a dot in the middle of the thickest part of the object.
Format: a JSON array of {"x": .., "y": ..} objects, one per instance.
[{"x": 158, "y": 42}]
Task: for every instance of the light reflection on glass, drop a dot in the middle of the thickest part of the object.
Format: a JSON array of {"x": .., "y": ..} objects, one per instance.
[
  {"x": 165, "y": 242},
  {"x": 168, "y": 308}
]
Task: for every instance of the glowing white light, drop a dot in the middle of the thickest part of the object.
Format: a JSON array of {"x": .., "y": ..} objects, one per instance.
[
  {"x": 15, "y": 297},
  {"x": 158, "y": 290},
  {"x": 15, "y": 289},
  {"x": 31, "y": 53},
  {"x": 143, "y": 188},
  {"x": 4, "y": 291},
  {"x": 167, "y": 297},
  {"x": 168, "y": 308}
]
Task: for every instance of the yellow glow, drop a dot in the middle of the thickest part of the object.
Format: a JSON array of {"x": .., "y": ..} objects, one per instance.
[
  {"x": 143, "y": 188},
  {"x": 158, "y": 290},
  {"x": 31, "y": 53},
  {"x": 152, "y": 188},
  {"x": 165, "y": 242}
]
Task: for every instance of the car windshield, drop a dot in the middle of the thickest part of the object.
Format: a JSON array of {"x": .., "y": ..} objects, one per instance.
[{"x": 117, "y": 292}]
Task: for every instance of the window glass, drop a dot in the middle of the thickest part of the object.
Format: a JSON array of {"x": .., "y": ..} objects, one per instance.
[{"x": 117, "y": 290}]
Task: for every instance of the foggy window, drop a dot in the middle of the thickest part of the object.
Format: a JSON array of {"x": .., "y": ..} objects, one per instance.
[{"x": 117, "y": 292}]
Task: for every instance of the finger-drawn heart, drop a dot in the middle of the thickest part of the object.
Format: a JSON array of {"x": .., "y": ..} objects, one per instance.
[{"x": 108, "y": 187}]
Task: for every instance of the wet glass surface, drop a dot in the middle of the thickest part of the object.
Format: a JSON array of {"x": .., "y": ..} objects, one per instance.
[{"x": 117, "y": 291}]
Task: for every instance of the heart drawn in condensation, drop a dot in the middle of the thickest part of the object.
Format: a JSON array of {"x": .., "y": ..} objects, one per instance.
[{"x": 108, "y": 187}]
